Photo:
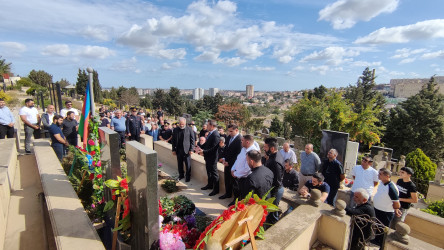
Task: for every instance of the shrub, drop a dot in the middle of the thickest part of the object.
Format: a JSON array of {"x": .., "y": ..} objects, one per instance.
[
  {"x": 170, "y": 186},
  {"x": 423, "y": 167},
  {"x": 435, "y": 208},
  {"x": 5, "y": 96}
]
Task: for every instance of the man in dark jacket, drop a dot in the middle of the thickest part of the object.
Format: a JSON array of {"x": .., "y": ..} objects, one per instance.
[
  {"x": 133, "y": 125},
  {"x": 183, "y": 147},
  {"x": 334, "y": 173},
  {"x": 275, "y": 163},
  {"x": 363, "y": 214},
  {"x": 233, "y": 146},
  {"x": 210, "y": 152},
  {"x": 261, "y": 178},
  {"x": 47, "y": 119}
]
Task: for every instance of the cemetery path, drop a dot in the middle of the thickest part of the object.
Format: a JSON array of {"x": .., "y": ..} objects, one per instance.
[{"x": 211, "y": 205}]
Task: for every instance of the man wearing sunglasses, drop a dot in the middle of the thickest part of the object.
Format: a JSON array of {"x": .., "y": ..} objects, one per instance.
[{"x": 365, "y": 177}]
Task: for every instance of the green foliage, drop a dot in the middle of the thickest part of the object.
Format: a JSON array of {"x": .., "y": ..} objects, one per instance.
[
  {"x": 310, "y": 116},
  {"x": 25, "y": 81},
  {"x": 146, "y": 102},
  {"x": 5, "y": 68},
  {"x": 258, "y": 110},
  {"x": 82, "y": 81},
  {"x": 170, "y": 186},
  {"x": 423, "y": 167},
  {"x": 129, "y": 97},
  {"x": 435, "y": 208},
  {"x": 362, "y": 95},
  {"x": 35, "y": 89},
  {"x": 109, "y": 102},
  {"x": 174, "y": 105},
  {"x": 255, "y": 124},
  {"x": 418, "y": 122},
  {"x": 40, "y": 78},
  {"x": 160, "y": 99},
  {"x": 183, "y": 206},
  {"x": 277, "y": 126},
  {"x": 63, "y": 83},
  {"x": 201, "y": 116}
]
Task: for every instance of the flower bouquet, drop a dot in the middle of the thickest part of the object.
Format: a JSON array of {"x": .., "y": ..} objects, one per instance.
[{"x": 225, "y": 231}]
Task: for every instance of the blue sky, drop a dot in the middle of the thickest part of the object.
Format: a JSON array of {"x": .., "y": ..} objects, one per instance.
[{"x": 274, "y": 45}]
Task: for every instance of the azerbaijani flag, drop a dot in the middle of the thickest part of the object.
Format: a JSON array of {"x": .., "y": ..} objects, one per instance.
[{"x": 84, "y": 119}]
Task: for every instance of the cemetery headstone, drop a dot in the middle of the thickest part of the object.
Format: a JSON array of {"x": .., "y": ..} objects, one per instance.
[
  {"x": 336, "y": 140},
  {"x": 110, "y": 156},
  {"x": 351, "y": 156},
  {"x": 144, "y": 207},
  {"x": 439, "y": 173},
  {"x": 377, "y": 153},
  {"x": 280, "y": 141}
]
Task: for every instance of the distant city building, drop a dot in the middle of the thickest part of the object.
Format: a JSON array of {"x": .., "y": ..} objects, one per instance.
[
  {"x": 405, "y": 88},
  {"x": 250, "y": 91},
  {"x": 213, "y": 91},
  {"x": 198, "y": 93}
]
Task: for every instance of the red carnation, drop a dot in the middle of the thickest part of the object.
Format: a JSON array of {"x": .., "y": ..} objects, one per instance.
[
  {"x": 127, "y": 208},
  {"x": 93, "y": 152},
  {"x": 91, "y": 177},
  {"x": 124, "y": 184},
  {"x": 99, "y": 176},
  {"x": 91, "y": 142}
]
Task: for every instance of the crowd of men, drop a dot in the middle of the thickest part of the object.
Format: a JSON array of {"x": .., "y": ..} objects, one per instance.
[{"x": 246, "y": 169}]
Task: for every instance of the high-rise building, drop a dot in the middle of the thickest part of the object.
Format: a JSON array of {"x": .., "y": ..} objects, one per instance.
[
  {"x": 213, "y": 91},
  {"x": 198, "y": 93},
  {"x": 250, "y": 91}
]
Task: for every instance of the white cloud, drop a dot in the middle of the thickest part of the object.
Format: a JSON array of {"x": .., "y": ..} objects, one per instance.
[
  {"x": 285, "y": 52},
  {"x": 402, "y": 34},
  {"x": 321, "y": 69},
  {"x": 56, "y": 50},
  {"x": 208, "y": 56},
  {"x": 13, "y": 47},
  {"x": 344, "y": 14},
  {"x": 100, "y": 33},
  {"x": 432, "y": 55},
  {"x": 332, "y": 55},
  {"x": 407, "y": 60},
  {"x": 231, "y": 62},
  {"x": 169, "y": 66},
  {"x": 95, "y": 52},
  {"x": 365, "y": 64},
  {"x": 259, "y": 68},
  {"x": 128, "y": 65},
  {"x": 406, "y": 52}
]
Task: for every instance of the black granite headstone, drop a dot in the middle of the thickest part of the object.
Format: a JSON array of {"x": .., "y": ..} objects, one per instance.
[{"x": 336, "y": 140}]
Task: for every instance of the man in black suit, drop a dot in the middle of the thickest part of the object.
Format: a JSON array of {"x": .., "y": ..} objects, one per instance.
[
  {"x": 183, "y": 147},
  {"x": 232, "y": 149},
  {"x": 210, "y": 152}
]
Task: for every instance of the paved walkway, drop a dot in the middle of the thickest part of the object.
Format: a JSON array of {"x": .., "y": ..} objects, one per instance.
[{"x": 210, "y": 205}]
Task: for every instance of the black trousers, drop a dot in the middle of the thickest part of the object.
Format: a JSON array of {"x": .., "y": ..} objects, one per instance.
[
  {"x": 135, "y": 137},
  {"x": 332, "y": 195},
  {"x": 121, "y": 138},
  {"x": 229, "y": 180},
  {"x": 213, "y": 175},
  {"x": 181, "y": 158},
  {"x": 385, "y": 218},
  {"x": 5, "y": 130}
]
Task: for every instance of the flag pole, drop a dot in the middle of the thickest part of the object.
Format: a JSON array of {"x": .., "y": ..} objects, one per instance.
[{"x": 91, "y": 90}]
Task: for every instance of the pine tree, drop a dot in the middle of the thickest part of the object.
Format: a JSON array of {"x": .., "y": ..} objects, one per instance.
[
  {"x": 418, "y": 123},
  {"x": 82, "y": 81}
]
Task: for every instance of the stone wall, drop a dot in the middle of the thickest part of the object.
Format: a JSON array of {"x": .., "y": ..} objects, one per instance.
[
  {"x": 435, "y": 192},
  {"x": 198, "y": 170},
  {"x": 71, "y": 226}
]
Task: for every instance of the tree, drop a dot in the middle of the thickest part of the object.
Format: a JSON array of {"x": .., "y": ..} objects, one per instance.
[
  {"x": 97, "y": 87},
  {"x": 24, "y": 81},
  {"x": 418, "y": 122},
  {"x": 277, "y": 126},
  {"x": 5, "y": 68},
  {"x": 145, "y": 102},
  {"x": 174, "y": 105},
  {"x": 233, "y": 112},
  {"x": 423, "y": 167},
  {"x": 41, "y": 78},
  {"x": 82, "y": 81},
  {"x": 63, "y": 83},
  {"x": 255, "y": 124},
  {"x": 210, "y": 103},
  {"x": 160, "y": 98},
  {"x": 201, "y": 117},
  {"x": 130, "y": 97}
]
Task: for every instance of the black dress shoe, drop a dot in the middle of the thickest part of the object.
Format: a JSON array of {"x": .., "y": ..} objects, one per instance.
[
  {"x": 231, "y": 203},
  {"x": 213, "y": 193},
  {"x": 187, "y": 179},
  {"x": 225, "y": 196},
  {"x": 181, "y": 177},
  {"x": 206, "y": 188}
]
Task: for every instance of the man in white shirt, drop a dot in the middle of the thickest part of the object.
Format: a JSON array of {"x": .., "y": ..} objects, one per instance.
[
  {"x": 365, "y": 176},
  {"x": 68, "y": 105},
  {"x": 31, "y": 118},
  {"x": 240, "y": 167},
  {"x": 288, "y": 153}
]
